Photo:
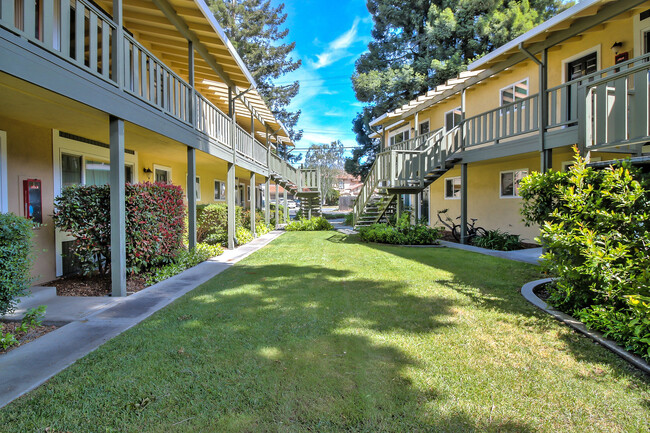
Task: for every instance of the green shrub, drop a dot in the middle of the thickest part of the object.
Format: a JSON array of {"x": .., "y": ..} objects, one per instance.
[
  {"x": 314, "y": 224},
  {"x": 246, "y": 218},
  {"x": 184, "y": 260},
  {"x": 7, "y": 340},
  {"x": 262, "y": 229},
  {"x": 243, "y": 236},
  {"x": 155, "y": 224},
  {"x": 349, "y": 219},
  {"x": 34, "y": 316},
  {"x": 597, "y": 235},
  {"x": 498, "y": 240},
  {"x": 15, "y": 260},
  {"x": 402, "y": 233},
  {"x": 212, "y": 223}
]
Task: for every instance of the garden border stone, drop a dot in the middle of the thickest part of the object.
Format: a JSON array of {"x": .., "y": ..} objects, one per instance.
[{"x": 527, "y": 291}]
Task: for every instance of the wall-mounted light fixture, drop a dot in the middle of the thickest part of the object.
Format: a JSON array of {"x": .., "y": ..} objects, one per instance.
[
  {"x": 617, "y": 47},
  {"x": 148, "y": 172}
]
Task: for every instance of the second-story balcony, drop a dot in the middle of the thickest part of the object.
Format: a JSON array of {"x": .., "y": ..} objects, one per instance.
[{"x": 184, "y": 91}]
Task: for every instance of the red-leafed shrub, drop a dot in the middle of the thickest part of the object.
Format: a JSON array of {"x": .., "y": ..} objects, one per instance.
[{"x": 155, "y": 222}]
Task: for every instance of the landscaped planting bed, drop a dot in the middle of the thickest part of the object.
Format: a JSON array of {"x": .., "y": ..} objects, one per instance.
[{"x": 319, "y": 332}]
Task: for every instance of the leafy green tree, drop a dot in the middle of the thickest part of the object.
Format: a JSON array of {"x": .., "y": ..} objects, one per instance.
[
  {"x": 255, "y": 29},
  {"x": 329, "y": 159},
  {"x": 418, "y": 44}
]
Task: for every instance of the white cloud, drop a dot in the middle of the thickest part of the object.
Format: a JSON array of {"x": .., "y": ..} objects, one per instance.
[{"x": 337, "y": 49}]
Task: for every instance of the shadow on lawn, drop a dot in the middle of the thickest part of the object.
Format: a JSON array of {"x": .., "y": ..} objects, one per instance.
[
  {"x": 485, "y": 282},
  {"x": 315, "y": 349}
]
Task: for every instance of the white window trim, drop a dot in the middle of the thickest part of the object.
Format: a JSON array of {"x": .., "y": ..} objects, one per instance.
[
  {"x": 213, "y": 185},
  {"x": 512, "y": 85},
  {"x": 565, "y": 62},
  {"x": 459, "y": 108},
  {"x": 163, "y": 168},
  {"x": 514, "y": 193},
  {"x": 197, "y": 182},
  {"x": 445, "y": 188},
  {"x": 399, "y": 131},
  {"x": 61, "y": 145},
  {"x": 4, "y": 186},
  {"x": 639, "y": 28},
  {"x": 422, "y": 123}
]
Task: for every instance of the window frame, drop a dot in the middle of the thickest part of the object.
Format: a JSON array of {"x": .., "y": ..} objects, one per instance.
[
  {"x": 515, "y": 188},
  {"x": 222, "y": 185},
  {"x": 452, "y": 111},
  {"x": 453, "y": 179},
  {"x": 163, "y": 168},
  {"x": 514, "y": 96},
  {"x": 428, "y": 123},
  {"x": 197, "y": 187},
  {"x": 401, "y": 131}
]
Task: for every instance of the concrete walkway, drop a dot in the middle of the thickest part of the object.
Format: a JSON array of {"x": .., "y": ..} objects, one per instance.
[
  {"x": 529, "y": 255},
  {"x": 29, "y": 366}
]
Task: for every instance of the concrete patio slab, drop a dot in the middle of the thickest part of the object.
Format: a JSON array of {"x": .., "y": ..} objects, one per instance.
[{"x": 29, "y": 366}]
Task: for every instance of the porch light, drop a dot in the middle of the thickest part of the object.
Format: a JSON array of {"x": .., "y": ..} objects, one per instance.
[
  {"x": 617, "y": 47},
  {"x": 148, "y": 172}
]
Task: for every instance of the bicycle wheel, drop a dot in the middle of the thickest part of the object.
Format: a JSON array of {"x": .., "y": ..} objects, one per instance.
[
  {"x": 456, "y": 232},
  {"x": 480, "y": 232}
]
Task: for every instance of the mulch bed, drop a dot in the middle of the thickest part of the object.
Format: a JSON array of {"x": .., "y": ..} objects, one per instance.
[
  {"x": 542, "y": 292},
  {"x": 79, "y": 285},
  {"x": 23, "y": 337}
]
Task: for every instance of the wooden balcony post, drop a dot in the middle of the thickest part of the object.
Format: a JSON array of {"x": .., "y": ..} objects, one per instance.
[
  {"x": 230, "y": 179},
  {"x": 267, "y": 183},
  {"x": 118, "y": 207},
  {"x": 253, "y": 199},
  {"x": 118, "y": 44},
  {"x": 463, "y": 203},
  {"x": 191, "y": 197},
  {"x": 286, "y": 207},
  {"x": 546, "y": 159},
  {"x": 191, "y": 116},
  {"x": 277, "y": 204}
]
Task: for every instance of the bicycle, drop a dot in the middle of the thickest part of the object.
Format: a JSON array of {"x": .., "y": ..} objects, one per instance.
[{"x": 471, "y": 229}]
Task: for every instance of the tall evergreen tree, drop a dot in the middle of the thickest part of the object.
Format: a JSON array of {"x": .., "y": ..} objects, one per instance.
[
  {"x": 418, "y": 44},
  {"x": 255, "y": 29}
]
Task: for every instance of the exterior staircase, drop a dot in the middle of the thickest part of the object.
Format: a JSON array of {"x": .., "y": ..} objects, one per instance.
[{"x": 406, "y": 168}]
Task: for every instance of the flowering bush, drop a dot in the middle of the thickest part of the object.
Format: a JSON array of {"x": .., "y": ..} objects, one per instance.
[{"x": 155, "y": 223}]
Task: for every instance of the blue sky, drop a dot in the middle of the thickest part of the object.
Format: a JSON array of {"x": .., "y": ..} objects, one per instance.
[{"x": 329, "y": 36}]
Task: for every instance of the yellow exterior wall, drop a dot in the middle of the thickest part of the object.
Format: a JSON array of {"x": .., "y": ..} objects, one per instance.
[{"x": 29, "y": 156}]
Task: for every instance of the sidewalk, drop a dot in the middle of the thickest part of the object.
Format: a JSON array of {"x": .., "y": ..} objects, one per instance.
[
  {"x": 529, "y": 255},
  {"x": 29, "y": 366}
]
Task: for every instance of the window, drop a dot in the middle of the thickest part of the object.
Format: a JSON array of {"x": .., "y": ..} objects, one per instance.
[
  {"x": 453, "y": 118},
  {"x": 583, "y": 66},
  {"x": 162, "y": 174},
  {"x": 219, "y": 190},
  {"x": 510, "y": 182},
  {"x": 197, "y": 187},
  {"x": 452, "y": 188},
  {"x": 424, "y": 128},
  {"x": 78, "y": 169},
  {"x": 399, "y": 137},
  {"x": 513, "y": 93}
]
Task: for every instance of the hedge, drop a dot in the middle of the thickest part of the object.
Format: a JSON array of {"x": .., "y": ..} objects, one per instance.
[
  {"x": 15, "y": 260},
  {"x": 155, "y": 223}
]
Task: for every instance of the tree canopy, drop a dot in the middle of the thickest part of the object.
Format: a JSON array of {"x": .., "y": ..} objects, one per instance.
[
  {"x": 418, "y": 44},
  {"x": 255, "y": 28}
]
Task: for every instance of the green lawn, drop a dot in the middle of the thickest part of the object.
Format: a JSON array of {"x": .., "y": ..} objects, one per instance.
[{"x": 318, "y": 333}]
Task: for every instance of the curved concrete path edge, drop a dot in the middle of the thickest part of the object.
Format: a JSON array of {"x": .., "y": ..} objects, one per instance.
[
  {"x": 28, "y": 367},
  {"x": 527, "y": 292}
]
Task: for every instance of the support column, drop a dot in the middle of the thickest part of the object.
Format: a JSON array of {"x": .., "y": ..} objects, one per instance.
[
  {"x": 398, "y": 206},
  {"x": 267, "y": 201},
  {"x": 277, "y": 204},
  {"x": 286, "y": 207},
  {"x": 253, "y": 200},
  {"x": 463, "y": 203},
  {"x": 190, "y": 67},
  {"x": 118, "y": 207},
  {"x": 230, "y": 179},
  {"x": 191, "y": 197},
  {"x": 546, "y": 160}
]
